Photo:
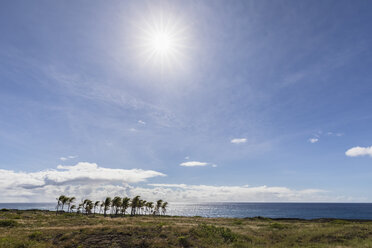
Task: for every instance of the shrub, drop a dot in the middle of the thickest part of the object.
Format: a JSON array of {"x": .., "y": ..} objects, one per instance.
[
  {"x": 184, "y": 242},
  {"x": 8, "y": 223},
  {"x": 238, "y": 222},
  {"x": 214, "y": 233},
  {"x": 38, "y": 236},
  {"x": 340, "y": 222},
  {"x": 278, "y": 226}
]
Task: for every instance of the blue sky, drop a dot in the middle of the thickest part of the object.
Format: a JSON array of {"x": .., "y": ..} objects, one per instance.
[{"x": 290, "y": 80}]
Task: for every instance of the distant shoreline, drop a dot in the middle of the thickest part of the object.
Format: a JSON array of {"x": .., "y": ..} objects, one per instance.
[
  {"x": 320, "y": 220},
  {"x": 44, "y": 228}
]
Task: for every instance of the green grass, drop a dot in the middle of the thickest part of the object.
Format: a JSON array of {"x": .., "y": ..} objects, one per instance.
[{"x": 38, "y": 229}]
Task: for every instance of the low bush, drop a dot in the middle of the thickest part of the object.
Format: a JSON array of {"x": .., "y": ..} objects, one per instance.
[
  {"x": 214, "y": 234},
  {"x": 38, "y": 236},
  {"x": 184, "y": 242},
  {"x": 278, "y": 226},
  {"x": 8, "y": 223},
  {"x": 340, "y": 222}
]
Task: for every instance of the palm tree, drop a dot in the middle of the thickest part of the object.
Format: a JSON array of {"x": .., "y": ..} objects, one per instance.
[
  {"x": 85, "y": 204},
  {"x": 88, "y": 205},
  {"x": 58, "y": 204},
  {"x": 150, "y": 206},
  {"x": 134, "y": 204},
  {"x": 125, "y": 205},
  {"x": 101, "y": 206},
  {"x": 139, "y": 207},
  {"x": 70, "y": 200},
  {"x": 143, "y": 206},
  {"x": 164, "y": 207},
  {"x": 116, "y": 204},
  {"x": 158, "y": 206},
  {"x": 106, "y": 205},
  {"x": 80, "y": 206},
  {"x": 95, "y": 205},
  {"x": 63, "y": 199}
]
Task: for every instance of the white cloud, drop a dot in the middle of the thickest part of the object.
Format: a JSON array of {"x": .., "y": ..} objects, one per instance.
[
  {"x": 187, "y": 157},
  {"x": 319, "y": 134},
  {"x": 142, "y": 122},
  {"x": 335, "y": 134},
  {"x": 359, "y": 151},
  {"x": 238, "y": 141},
  {"x": 67, "y": 158},
  {"x": 193, "y": 163},
  {"x": 244, "y": 193},
  {"x": 88, "y": 180},
  {"x": 46, "y": 184}
]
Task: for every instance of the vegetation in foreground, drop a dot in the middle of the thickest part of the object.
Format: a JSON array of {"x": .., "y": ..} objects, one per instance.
[{"x": 34, "y": 228}]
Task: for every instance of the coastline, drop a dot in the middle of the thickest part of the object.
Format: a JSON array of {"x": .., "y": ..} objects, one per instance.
[
  {"x": 43, "y": 228},
  {"x": 350, "y": 211},
  {"x": 196, "y": 216}
]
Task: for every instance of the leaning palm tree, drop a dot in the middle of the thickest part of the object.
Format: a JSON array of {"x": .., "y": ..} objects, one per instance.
[
  {"x": 158, "y": 206},
  {"x": 58, "y": 204},
  {"x": 70, "y": 200},
  {"x": 88, "y": 205},
  {"x": 139, "y": 207},
  {"x": 101, "y": 206},
  {"x": 143, "y": 206},
  {"x": 134, "y": 205},
  {"x": 96, "y": 204},
  {"x": 79, "y": 208},
  {"x": 150, "y": 206},
  {"x": 116, "y": 204},
  {"x": 61, "y": 201},
  {"x": 125, "y": 205},
  {"x": 106, "y": 205},
  {"x": 72, "y": 207},
  {"x": 64, "y": 200},
  {"x": 164, "y": 207}
]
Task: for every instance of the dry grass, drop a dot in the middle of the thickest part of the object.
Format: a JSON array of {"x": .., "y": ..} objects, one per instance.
[{"x": 46, "y": 229}]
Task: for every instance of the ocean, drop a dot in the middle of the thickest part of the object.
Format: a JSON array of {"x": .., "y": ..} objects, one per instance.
[{"x": 241, "y": 210}]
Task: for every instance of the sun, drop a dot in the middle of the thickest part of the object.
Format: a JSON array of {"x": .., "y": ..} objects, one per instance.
[{"x": 162, "y": 41}]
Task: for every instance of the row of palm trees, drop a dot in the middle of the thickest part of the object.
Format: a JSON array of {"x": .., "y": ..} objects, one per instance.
[{"x": 113, "y": 206}]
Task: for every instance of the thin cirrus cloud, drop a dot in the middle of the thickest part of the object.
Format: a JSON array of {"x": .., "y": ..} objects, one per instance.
[
  {"x": 196, "y": 164},
  {"x": 67, "y": 158},
  {"x": 313, "y": 140},
  {"x": 141, "y": 122},
  {"x": 316, "y": 137},
  {"x": 359, "y": 151},
  {"x": 239, "y": 141}
]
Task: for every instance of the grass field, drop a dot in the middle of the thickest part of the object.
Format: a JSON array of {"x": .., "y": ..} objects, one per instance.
[{"x": 46, "y": 229}]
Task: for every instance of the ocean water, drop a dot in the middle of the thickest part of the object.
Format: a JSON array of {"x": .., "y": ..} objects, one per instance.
[{"x": 241, "y": 210}]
